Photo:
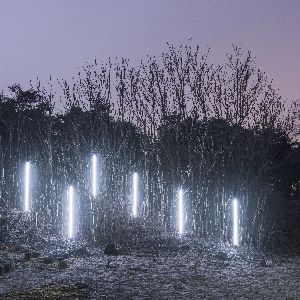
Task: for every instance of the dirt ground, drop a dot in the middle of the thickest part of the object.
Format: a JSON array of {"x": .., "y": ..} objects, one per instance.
[{"x": 187, "y": 273}]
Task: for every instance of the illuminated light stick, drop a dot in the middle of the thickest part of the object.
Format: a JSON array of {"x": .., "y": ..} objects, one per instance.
[
  {"x": 27, "y": 182},
  {"x": 94, "y": 175},
  {"x": 134, "y": 195},
  {"x": 70, "y": 212},
  {"x": 180, "y": 212},
  {"x": 94, "y": 187},
  {"x": 235, "y": 222}
]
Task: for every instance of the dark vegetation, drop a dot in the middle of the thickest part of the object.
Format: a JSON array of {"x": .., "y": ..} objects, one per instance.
[{"x": 216, "y": 131}]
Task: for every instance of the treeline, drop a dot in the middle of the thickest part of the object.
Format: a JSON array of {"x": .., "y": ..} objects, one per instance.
[{"x": 218, "y": 132}]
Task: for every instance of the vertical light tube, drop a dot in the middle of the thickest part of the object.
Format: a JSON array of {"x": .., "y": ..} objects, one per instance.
[
  {"x": 235, "y": 222},
  {"x": 180, "y": 212},
  {"x": 70, "y": 212},
  {"x": 27, "y": 183},
  {"x": 94, "y": 175},
  {"x": 134, "y": 195}
]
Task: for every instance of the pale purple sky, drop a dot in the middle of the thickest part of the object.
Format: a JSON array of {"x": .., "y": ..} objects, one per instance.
[{"x": 40, "y": 37}]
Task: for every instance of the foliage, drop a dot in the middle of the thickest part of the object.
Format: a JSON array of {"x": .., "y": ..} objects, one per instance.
[{"x": 219, "y": 132}]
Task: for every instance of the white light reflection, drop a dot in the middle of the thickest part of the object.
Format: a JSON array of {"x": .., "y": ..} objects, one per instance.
[
  {"x": 27, "y": 182},
  {"x": 134, "y": 195}
]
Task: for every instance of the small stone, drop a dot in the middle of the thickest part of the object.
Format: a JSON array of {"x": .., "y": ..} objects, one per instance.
[
  {"x": 5, "y": 267},
  {"x": 27, "y": 256},
  {"x": 35, "y": 254},
  {"x": 2, "y": 247},
  {"x": 222, "y": 255},
  {"x": 185, "y": 247},
  {"x": 48, "y": 260},
  {"x": 80, "y": 285},
  {"x": 110, "y": 249},
  {"x": 8, "y": 267},
  {"x": 62, "y": 264}
]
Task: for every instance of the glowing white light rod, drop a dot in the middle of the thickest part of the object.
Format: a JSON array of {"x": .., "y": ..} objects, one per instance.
[
  {"x": 235, "y": 222},
  {"x": 135, "y": 195},
  {"x": 70, "y": 212},
  {"x": 94, "y": 175},
  {"x": 180, "y": 212},
  {"x": 27, "y": 183}
]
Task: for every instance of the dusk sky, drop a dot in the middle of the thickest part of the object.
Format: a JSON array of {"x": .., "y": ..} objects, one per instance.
[{"x": 39, "y": 37}]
